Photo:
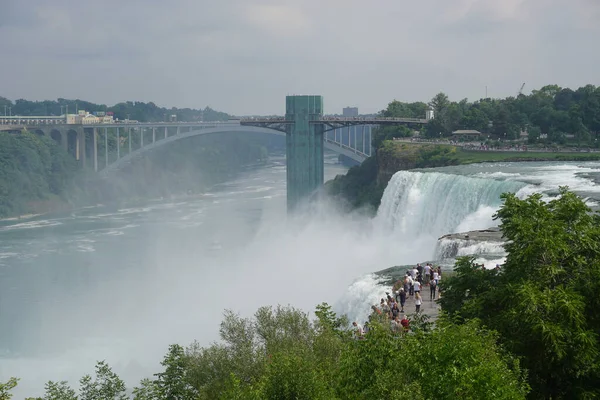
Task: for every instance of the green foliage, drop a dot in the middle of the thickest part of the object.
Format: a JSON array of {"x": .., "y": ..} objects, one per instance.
[
  {"x": 281, "y": 354},
  {"x": 59, "y": 391},
  {"x": 5, "y": 388},
  {"x": 172, "y": 383},
  {"x": 32, "y": 168},
  {"x": 436, "y": 156},
  {"x": 136, "y": 110},
  {"x": 447, "y": 362},
  {"x": 381, "y": 134},
  {"x": 105, "y": 386},
  {"x": 550, "y": 109},
  {"x": 359, "y": 187},
  {"x": 544, "y": 302}
]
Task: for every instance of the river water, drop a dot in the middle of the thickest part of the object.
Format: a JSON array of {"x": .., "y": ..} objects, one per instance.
[{"x": 121, "y": 285}]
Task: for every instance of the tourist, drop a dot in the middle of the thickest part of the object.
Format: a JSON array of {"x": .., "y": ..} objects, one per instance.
[
  {"x": 385, "y": 308},
  {"x": 402, "y": 299},
  {"x": 417, "y": 286},
  {"x": 414, "y": 273},
  {"x": 395, "y": 310},
  {"x": 408, "y": 284},
  {"x": 405, "y": 323},
  {"x": 358, "y": 331},
  {"x": 394, "y": 325},
  {"x": 417, "y": 302},
  {"x": 427, "y": 271},
  {"x": 432, "y": 288}
]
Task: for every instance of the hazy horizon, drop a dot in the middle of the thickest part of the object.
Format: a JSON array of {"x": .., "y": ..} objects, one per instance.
[{"x": 244, "y": 57}]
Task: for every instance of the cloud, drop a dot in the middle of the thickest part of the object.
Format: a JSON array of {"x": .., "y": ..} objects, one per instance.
[{"x": 244, "y": 56}]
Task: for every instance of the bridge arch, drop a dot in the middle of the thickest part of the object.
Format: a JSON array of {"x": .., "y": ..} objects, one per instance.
[
  {"x": 56, "y": 135},
  {"x": 39, "y": 132},
  {"x": 127, "y": 159}
]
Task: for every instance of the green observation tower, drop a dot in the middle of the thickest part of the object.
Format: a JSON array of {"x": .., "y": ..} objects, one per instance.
[{"x": 304, "y": 147}]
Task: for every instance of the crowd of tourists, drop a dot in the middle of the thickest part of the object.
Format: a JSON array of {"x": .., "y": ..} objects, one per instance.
[{"x": 391, "y": 309}]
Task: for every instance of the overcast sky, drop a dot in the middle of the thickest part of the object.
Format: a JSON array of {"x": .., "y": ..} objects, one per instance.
[{"x": 245, "y": 56}]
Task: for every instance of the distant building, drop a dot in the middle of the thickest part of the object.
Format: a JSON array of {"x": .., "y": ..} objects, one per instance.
[
  {"x": 468, "y": 134},
  {"x": 84, "y": 117},
  {"x": 90, "y": 119},
  {"x": 350, "y": 112},
  {"x": 429, "y": 114}
]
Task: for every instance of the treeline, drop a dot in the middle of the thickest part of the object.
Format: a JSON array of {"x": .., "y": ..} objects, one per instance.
[
  {"x": 551, "y": 110},
  {"x": 564, "y": 115},
  {"x": 281, "y": 354},
  {"x": 134, "y": 110}
]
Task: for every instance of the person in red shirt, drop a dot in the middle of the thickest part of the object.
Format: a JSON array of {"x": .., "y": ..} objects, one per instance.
[{"x": 405, "y": 323}]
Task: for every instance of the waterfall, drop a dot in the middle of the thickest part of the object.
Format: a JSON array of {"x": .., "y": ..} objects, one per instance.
[
  {"x": 450, "y": 248},
  {"x": 433, "y": 203}
]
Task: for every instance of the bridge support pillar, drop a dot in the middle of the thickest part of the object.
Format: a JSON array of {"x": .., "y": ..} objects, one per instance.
[
  {"x": 141, "y": 137},
  {"x": 166, "y": 132},
  {"x": 129, "y": 138},
  {"x": 105, "y": 147},
  {"x": 118, "y": 144},
  {"x": 95, "y": 144},
  {"x": 304, "y": 148},
  {"x": 153, "y": 135},
  {"x": 81, "y": 156}
]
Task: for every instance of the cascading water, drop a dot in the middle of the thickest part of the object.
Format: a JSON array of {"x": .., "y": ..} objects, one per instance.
[
  {"x": 432, "y": 203},
  {"x": 450, "y": 248}
]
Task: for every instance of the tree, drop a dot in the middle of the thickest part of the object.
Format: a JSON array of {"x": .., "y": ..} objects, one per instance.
[
  {"x": 173, "y": 383},
  {"x": 448, "y": 362},
  {"x": 544, "y": 302},
  {"x": 106, "y": 385},
  {"x": 59, "y": 391},
  {"x": 439, "y": 103},
  {"x": 5, "y": 388},
  {"x": 533, "y": 134}
]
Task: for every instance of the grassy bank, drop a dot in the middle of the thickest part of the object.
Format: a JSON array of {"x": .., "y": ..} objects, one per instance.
[{"x": 470, "y": 157}]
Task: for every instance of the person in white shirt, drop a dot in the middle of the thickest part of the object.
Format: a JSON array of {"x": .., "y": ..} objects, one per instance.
[
  {"x": 427, "y": 273},
  {"x": 417, "y": 286},
  {"x": 410, "y": 282},
  {"x": 414, "y": 273},
  {"x": 358, "y": 330}
]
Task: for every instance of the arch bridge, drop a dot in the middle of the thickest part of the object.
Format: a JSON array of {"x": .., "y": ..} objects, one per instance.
[{"x": 307, "y": 131}]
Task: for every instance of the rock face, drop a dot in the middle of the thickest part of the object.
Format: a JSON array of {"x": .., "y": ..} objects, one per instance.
[
  {"x": 394, "y": 159},
  {"x": 487, "y": 235}
]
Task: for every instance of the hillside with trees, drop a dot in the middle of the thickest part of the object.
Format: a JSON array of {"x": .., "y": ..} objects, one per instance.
[
  {"x": 134, "y": 110},
  {"x": 554, "y": 111}
]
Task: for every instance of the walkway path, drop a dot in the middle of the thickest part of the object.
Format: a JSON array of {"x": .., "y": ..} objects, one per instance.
[{"x": 428, "y": 307}]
